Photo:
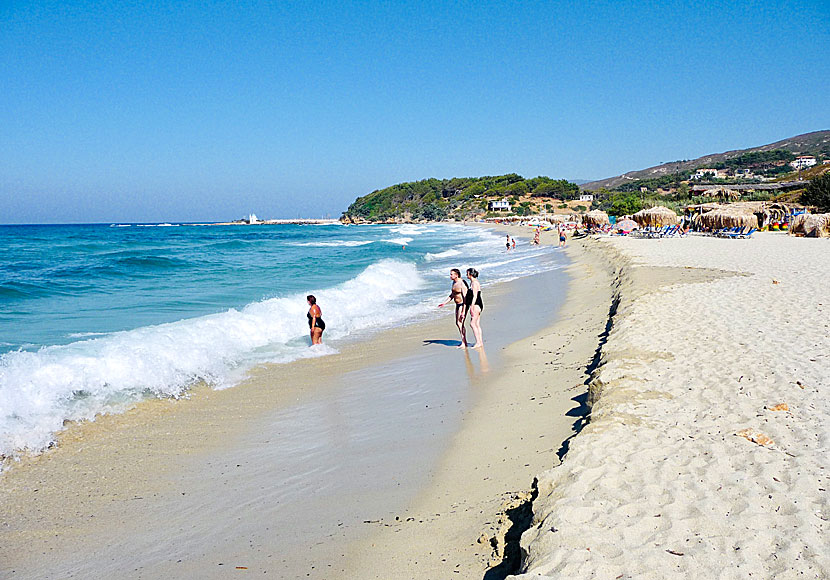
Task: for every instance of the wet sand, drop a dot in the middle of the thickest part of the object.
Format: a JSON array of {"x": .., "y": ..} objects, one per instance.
[{"x": 294, "y": 471}]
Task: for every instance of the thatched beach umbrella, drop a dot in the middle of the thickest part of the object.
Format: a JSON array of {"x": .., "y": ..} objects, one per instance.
[
  {"x": 811, "y": 225},
  {"x": 728, "y": 217},
  {"x": 657, "y": 216},
  {"x": 724, "y": 193},
  {"x": 596, "y": 217}
]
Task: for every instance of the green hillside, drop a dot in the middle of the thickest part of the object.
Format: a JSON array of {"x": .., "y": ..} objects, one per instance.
[{"x": 456, "y": 198}]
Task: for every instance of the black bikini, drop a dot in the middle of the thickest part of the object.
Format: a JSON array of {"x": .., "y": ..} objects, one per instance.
[
  {"x": 468, "y": 298},
  {"x": 320, "y": 324}
]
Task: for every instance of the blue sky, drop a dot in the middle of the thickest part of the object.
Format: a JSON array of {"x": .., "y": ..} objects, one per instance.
[{"x": 191, "y": 111}]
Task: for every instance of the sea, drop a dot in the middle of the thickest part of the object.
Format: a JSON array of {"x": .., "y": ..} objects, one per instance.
[{"x": 94, "y": 318}]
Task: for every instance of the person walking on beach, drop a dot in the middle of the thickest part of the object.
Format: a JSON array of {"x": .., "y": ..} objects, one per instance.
[
  {"x": 458, "y": 292},
  {"x": 474, "y": 305},
  {"x": 316, "y": 326},
  {"x": 562, "y": 237}
]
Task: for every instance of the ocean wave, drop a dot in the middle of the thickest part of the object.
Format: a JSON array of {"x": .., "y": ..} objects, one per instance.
[
  {"x": 332, "y": 244},
  {"x": 40, "y": 390},
  {"x": 429, "y": 257},
  {"x": 398, "y": 241}
]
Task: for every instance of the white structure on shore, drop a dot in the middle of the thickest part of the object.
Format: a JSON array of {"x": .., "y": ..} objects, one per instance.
[
  {"x": 500, "y": 205},
  {"x": 252, "y": 219},
  {"x": 586, "y": 197}
]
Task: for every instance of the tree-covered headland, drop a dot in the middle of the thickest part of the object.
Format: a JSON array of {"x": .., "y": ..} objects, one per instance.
[{"x": 459, "y": 198}]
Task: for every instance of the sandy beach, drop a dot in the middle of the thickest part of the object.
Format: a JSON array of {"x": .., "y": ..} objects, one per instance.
[
  {"x": 707, "y": 451},
  {"x": 703, "y": 364}
]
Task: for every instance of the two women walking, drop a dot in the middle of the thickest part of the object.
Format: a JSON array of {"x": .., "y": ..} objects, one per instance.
[{"x": 468, "y": 302}]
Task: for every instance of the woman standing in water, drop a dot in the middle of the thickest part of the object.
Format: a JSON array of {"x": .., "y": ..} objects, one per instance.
[
  {"x": 474, "y": 305},
  {"x": 315, "y": 320}
]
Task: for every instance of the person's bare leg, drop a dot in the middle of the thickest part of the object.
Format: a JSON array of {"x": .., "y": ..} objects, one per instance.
[
  {"x": 475, "y": 324},
  {"x": 460, "y": 315}
]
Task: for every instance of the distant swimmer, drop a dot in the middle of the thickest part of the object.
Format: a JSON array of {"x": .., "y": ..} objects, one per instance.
[
  {"x": 316, "y": 325},
  {"x": 513, "y": 243},
  {"x": 457, "y": 295},
  {"x": 474, "y": 305}
]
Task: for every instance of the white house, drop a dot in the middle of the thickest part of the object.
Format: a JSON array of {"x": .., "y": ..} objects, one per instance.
[
  {"x": 252, "y": 219},
  {"x": 744, "y": 173},
  {"x": 803, "y": 162},
  {"x": 586, "y": 197},
  {"x": 500, "y": 205},
  {"x": 709, "y": 172}
]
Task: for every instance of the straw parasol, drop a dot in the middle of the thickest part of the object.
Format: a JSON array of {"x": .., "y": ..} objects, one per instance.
[
  {"x": 596, "y": 217},
  {"x": 811, "y": 225},
  {"x": 657, "y": 216},
  {"x": 626, "y": 225},
  {"x": 723, "y": 192},
  {"x": 728, "y": 216}
]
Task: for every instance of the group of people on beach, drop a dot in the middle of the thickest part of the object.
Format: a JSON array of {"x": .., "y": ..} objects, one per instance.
[{"x": 468, "y": 302}]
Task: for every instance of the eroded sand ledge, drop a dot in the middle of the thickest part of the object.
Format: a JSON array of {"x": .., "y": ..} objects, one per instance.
[
  {"x": 707, "y": 451},
  {"x": 523, "y": 421}
]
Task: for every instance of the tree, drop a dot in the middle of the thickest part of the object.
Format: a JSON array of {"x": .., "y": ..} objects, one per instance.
[
  {"x": 818, "y": 193},
  {"x": 625, "y": 204}
]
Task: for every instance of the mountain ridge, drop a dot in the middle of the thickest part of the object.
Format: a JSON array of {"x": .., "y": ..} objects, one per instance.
[{"x": 812, "y": 143}]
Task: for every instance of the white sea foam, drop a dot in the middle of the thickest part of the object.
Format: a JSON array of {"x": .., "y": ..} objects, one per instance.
[
  {"x": 41, "y": 389},
  {"x": 409, "y": 230},
  {"x": 430, "y": 257},
  {"x": 398, "y": 241},
  {"x": 333, "y": 243}
]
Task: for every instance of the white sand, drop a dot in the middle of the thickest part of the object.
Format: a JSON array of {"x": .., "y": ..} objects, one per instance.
[{"x": 660, "y": 484}]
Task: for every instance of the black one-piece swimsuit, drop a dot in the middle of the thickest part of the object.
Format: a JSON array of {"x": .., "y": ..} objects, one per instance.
[
  {"x": 468, "y": 299},
  {"x": 320, "y": 324}
]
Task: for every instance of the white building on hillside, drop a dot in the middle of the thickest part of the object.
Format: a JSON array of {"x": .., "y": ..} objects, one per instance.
[
  {"x": 586, "y": 197},
  {"x": 500, "y": 205},
  {"x": 803, "y": 162},
  {"x": 710, "y": 173}
]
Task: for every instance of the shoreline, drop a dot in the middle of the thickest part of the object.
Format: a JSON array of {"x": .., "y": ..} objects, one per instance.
[
  {"x": 464, "y": 522},
  {"x": 89, "y": 505}
]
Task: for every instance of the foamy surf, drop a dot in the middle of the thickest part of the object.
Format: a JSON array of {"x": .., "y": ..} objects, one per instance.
[
  {"x": 84, "y": 344},
  {"x": 40, "y": 390}
]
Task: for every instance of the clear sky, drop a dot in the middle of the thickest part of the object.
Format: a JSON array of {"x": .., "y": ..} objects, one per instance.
[{"x": 191, "y": 111}]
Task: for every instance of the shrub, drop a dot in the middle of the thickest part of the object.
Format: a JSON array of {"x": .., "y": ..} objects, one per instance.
[{"x": 818, "y": 193}]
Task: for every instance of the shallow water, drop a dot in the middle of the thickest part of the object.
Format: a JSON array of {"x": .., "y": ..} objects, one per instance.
[{"x": 96, "y": 317}]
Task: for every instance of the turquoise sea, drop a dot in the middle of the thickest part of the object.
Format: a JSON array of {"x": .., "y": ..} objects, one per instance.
[{"x": 97, "y": 317}]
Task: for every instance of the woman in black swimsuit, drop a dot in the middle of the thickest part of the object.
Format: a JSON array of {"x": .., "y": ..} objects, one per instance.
[
  {"x": 316, "y": 325},
  {"x": 474, "y": 305}
]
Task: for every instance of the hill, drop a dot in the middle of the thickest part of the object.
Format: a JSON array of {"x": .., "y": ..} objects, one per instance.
[
  {"x": 458, "y": 198},
  {"x": 815, "y": 143}
]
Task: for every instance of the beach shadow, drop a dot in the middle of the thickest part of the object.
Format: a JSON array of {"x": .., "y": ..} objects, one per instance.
[
  {"x": 583, "y": 411},
  {"x": 443, "y": 342},
  {"x": 520, "y": 518}
]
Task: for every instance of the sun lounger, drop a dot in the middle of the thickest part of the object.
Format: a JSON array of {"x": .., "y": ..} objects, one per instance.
[{"x": 744, "y": 233}]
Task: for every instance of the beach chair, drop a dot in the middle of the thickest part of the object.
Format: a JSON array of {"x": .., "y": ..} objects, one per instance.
[
  {"x": 670, "y": 232},
  {"x": 728, "y": 232},
  {"x": 744, "y": 234}
]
